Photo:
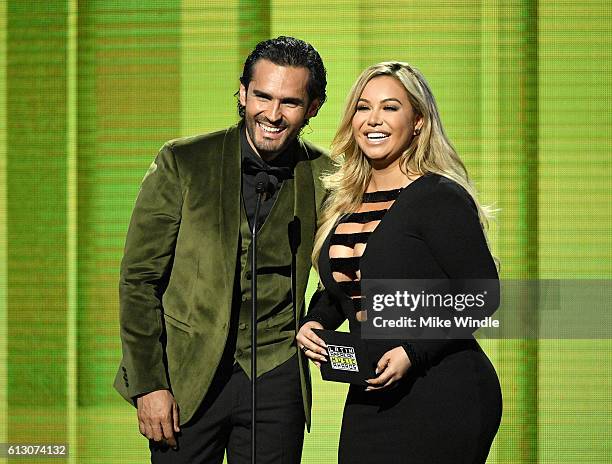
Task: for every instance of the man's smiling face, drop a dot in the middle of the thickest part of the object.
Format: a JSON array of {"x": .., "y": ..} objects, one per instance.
[{"x": 276, "y": 106}]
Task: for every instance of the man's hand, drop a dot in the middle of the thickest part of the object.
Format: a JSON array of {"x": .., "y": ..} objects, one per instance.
[
  {"x": 311, "y": 345},
  {"x": 158, "y": 416},
  {"x": 390, "y": 368}
]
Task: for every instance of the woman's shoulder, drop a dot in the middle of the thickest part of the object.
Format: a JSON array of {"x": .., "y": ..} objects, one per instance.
[
  {"x": 433, "y": 187},
  {"x": 440, "y": 203}
]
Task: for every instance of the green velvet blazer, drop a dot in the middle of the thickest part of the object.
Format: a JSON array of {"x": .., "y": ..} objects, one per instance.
[{"x": 178, "y": 270}]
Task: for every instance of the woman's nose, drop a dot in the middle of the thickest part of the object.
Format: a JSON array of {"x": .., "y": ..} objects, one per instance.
[{"x": 374, "y": 118}]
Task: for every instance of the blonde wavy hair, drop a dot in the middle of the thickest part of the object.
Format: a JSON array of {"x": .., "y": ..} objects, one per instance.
[{"x": 429, "y": 152}]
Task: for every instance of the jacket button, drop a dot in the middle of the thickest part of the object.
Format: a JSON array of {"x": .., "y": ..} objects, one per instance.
[
  {"x": 248, "y": 275},
  {"x": 242, "y": 326}
]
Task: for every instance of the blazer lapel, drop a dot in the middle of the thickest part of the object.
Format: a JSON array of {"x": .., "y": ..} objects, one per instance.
[
  {"x": 230, "y": 184},
  {"x": 304, "y": 211}
]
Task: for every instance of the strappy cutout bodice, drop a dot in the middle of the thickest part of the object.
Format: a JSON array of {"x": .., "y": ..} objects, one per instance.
[{"x": 349, "y": 241}]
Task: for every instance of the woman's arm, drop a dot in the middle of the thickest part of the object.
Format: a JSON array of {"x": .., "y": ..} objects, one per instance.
[
  {"x": 451, "y": 229},
  {"x": 324, "y": 309}
]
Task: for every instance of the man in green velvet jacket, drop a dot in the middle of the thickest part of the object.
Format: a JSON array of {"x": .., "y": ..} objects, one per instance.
[{"x": 185, "y": 279}]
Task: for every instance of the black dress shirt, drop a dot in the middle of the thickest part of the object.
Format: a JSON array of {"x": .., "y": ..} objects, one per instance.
[{"x": 285, "y": 160}]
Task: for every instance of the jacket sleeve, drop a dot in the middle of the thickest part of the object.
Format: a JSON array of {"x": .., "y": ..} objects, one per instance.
[
  {"x": 325, "y": 310},
  {"x": 145, "y": 268},
  {"x": 451, "y": 229}
]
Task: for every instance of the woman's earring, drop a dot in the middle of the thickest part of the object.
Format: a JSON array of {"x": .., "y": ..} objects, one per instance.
[{"x": 417, "y": 131}]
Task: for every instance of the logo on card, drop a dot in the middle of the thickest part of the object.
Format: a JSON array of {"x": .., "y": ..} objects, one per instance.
[{"x": 342, "y": 358}]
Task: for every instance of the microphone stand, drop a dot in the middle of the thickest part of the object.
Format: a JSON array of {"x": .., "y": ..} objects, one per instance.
[{"x": 262, "y": 188}]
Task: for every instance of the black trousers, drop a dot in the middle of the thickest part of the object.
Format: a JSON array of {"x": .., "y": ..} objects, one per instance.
[{"x": 223, "y": 421}]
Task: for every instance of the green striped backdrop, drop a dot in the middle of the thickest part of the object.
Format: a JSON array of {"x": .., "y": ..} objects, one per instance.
[{"x": 89, "y": 90}]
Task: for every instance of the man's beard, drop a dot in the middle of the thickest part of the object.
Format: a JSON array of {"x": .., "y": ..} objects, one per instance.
[{"x": 270, "y": 148}]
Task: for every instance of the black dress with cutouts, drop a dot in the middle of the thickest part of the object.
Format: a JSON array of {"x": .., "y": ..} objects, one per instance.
[{"x": 447, "y": 409}]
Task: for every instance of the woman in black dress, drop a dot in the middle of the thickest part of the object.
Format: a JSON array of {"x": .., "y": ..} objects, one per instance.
[{"x": 402, "y": 190}]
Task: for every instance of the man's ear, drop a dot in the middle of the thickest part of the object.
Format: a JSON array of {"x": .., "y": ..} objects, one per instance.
[
  {"x": 313, "y": 108},
  {"x": 242, "y": 95}
]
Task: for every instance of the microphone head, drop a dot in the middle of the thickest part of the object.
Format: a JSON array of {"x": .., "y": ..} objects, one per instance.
[
  {"x": 266, "y": 184},
  {"x": 262, "y": 181}
]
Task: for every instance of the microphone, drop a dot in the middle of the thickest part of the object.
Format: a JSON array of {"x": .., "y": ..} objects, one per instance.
[{"x": 266, "y": 184}]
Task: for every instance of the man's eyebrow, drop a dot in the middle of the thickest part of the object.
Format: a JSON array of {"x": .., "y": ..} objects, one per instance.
[
  {"x": 259, "y": 93},
  {"x": 290, "y": 100},
  {"x": 293, "y": 100}
]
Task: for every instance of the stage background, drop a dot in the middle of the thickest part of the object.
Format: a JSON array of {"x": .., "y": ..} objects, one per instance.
[{"x": 89, "y": 90}]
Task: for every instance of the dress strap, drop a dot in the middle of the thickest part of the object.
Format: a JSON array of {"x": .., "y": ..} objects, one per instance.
[
  {"x": 350, "y": 239},
  {"x": 344, "y": 264},
  {"x": 364, "y": 217},
  {"x": 381, "y": 195}
]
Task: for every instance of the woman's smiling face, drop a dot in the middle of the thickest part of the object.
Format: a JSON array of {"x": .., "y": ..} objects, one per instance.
[{"x": 384, "y": 120}]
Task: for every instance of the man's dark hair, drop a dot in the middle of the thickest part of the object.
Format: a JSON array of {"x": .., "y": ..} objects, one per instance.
[{"x": 288, "y": 51}]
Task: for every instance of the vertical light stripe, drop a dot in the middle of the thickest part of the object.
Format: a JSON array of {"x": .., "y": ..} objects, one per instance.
[
  {"x": 490, "y": 110},
  {"x": 518, "y": 156},
  {"x": 72, "y": 231},
  {"x": 253, "y": 25},
  {"x": 529, "y": 214},
  {"x": 209, "y": 71},
  {"x": 489, "y": 155},
  {"x": 3, "y": 222},
  {"x": 340, "y": 51}
]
